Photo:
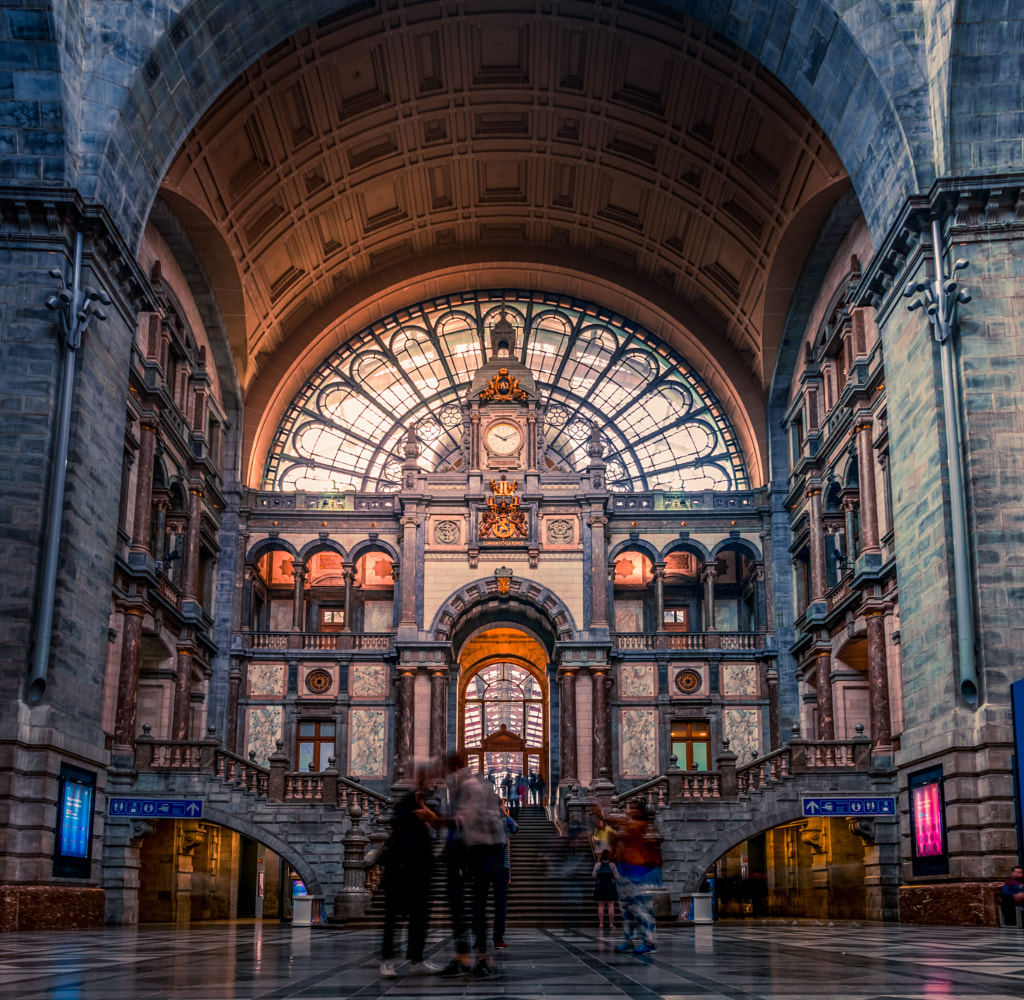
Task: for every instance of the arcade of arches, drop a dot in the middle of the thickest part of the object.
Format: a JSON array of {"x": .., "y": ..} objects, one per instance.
[{"x": 532, "y": 380}]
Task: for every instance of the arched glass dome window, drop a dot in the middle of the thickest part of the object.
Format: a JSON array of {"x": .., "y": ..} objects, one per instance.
[
  {"x": 503, "y": 694},
  {"x": 662, "y": 427}
]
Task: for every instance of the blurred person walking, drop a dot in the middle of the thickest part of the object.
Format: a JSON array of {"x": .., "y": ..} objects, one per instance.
[{"x": 639, "y": 864}]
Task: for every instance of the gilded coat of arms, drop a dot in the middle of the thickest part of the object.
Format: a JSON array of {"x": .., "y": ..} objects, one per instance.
[
  {"x": 503, "y": 387},
  {"x": 504, "y": 518}
]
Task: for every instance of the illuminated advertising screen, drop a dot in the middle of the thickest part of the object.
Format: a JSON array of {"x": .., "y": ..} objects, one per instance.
[
  {"x": 72, "y": 854},
  {"x": 928, "y": 823}
]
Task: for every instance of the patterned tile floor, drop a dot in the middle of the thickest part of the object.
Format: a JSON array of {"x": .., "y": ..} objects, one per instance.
[{"x": 735, "y": 961}]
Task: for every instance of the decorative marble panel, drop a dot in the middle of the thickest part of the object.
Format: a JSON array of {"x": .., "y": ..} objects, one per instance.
[
  {"x": 378, "y": 616},
  {"x": 742, "y": 727},
  {"x": 264, "y": 730},
  {"x": 638, "y": 742},
  {"x": 267, "y": 680},
  {"x": 629, "y": 615},
  {"x": 368, "y": 729},
  {"x": 637, "y": 680},
  {"x": 739, "y": 679},
  {"x": 368, "y": 681}
]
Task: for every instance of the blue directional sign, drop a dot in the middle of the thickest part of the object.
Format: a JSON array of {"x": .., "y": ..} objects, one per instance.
[
  {"x": 156, "y": 808},
  {"x": 832, "y": 805}
]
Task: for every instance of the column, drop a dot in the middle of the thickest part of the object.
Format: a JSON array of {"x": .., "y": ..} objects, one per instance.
[
  {"x": 182, "y": 695},
  {"x": 817, "y": 547},
  {"x": 410, "y": 526},
  {"x": 708, "y": 575},
  {"x": 849, "y": 508},
  {"x": 598, "y": 574},
  {"x": 144, "y": 486},
  {"x": 531, "y": 440},
  {"x": 348, "y": 572},
  {"x": 234, "y": 689},
  {"x": 866, "y": 482},
  {"x": 125, "y": 723},
  {"x": 567, "y": 725},
  {"x": 162, "y": 507},
  {"x": 878, "y": 681},
  {"x": 602, "y": 721},
  {"x": 766, "y": 555},
  {"x": 659, "y": 596},
  {"x": 438, "y": 714},
  {"x": 190, "y": 559},
  {"x": 771, "y": 678},
  {"x": 298, "y": 596},
  {"x": 826, "y": 712},
  {"x": 759, "y": 598},
  {"x": 405, "y": 720}
]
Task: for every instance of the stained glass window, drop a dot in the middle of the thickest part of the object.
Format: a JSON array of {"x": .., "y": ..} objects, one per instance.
[{"x": 661, "y": 426}]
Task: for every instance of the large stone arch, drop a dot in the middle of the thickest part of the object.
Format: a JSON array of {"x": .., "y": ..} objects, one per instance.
[{"x": 807, "y": 47}]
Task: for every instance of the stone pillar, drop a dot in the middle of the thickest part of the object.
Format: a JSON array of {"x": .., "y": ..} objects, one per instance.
[
  {"x": 878, "y": 681},
  {"x": 708, "y": 575},
  {"x": 771, "y": 679},
  {"x": 190, "y": 560},
  {"x": 182, "y": 695},
  {"x": 234, "y": 689},
  {"x": 531, "y": 440},
  {"x": 866, "y": 480},
  {"x": 298, "y": 597},
  {"x": 817, "y": 546},
  {"x": 348, "y": 572},
  {"x": 826, "y": 712},
  {"x": 766, "y": 555},
  {"x": 405, "y": 721},
  {"x": 144, "y": 486},
  {"x": 438, "y": 714},
  {"x": 598, "y": 575},
  {"x": 849, "y": 508},
  {"x": 410, "y": 526},
  {"x": 245, "y": 624},
  {"x": 125, "y": 722},
  {"x": 602, "y": 720},
  {"x": 192, "y": 835},
  {"x": 567, "y": 725},
  {"x": 659, "y": 596},
  {"x": 162, "y": 506}
]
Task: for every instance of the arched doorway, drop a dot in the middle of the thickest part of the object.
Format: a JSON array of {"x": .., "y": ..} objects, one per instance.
[{"x": 503, "y": 704}]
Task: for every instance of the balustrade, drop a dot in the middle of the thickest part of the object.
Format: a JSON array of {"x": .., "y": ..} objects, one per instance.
[
  {"x": 314, "y": 641},
  {"x": 688, "y": 640}
]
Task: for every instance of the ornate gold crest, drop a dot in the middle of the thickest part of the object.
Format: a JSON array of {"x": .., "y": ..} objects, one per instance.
[
  {"x": 503, "y": 386},
  {"x": 503, "y": 518}
]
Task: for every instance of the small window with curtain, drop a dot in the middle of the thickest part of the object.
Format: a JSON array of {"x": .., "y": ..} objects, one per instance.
[
  {"x": 691, "y": 744},
  {"x": 316, "y": 745}
]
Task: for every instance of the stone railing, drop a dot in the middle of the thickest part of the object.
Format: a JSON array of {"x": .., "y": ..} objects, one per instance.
[
  {"x": 274, "y": 783},
  {"x": 688, "y": 640},
  {"x": 316, "y": 640}
]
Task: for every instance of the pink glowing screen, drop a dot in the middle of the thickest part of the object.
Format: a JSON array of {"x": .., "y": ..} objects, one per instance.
[{"x": 928, "y": 821}]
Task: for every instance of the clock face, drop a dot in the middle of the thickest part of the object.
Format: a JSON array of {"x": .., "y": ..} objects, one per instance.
[{"x": 504, "y": 439}]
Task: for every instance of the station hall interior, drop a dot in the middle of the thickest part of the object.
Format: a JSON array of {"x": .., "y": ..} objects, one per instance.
[{"x": 622, "y": 395}]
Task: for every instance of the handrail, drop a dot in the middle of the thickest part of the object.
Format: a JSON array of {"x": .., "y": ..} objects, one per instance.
[{"x": 659, "y": 779}]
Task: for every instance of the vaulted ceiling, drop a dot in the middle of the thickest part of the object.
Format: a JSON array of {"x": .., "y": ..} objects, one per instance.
[{"x": 640, "y": 146}]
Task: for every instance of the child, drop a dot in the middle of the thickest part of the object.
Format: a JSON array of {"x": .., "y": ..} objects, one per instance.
[{"x": 605, "y": 893}]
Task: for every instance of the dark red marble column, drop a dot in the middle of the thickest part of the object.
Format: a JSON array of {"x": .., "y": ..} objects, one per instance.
[
  {"x": 298, "y": 596},
  {"x": 878, "y": 681},
  {"x": 190, "y": 560},
  {"x": 410, "y": 526},
  {"x": 144, "y": 486},
  {"x": 348, "y": 572},
  {"x": 234, "y": 689},
  {"x": 817, "y": 546},
  {"x": 659, "y": 596},
  {"x": 182, "y": 695},
  {"x": 128, "y": 679},
  {"x": 866, "y": 485},
  {"x": 602, "y": 721},
  {"x": 438, "y": 714},
  {"x": 708, "y": 575},
  {"x": 771, "y": 679},
  {"x": 826, "y": 712},
  {"x": 569, "y": 770},
  {"x": 599, "y": 573},
  {"x": 405, "y": 720}
]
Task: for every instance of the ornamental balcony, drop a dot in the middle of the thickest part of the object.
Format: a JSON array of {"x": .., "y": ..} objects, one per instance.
[
  {"x": 629, "y": 641},
  {"x": 314, "y": 642}
]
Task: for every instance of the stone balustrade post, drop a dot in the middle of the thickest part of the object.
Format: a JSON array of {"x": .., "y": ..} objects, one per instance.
[
  {"x": 278, "y": 764},
  {"x": 144, "y": 749},
  {"x": 861, "y": 748},
  {"x": 354, "y": 897},
  {"x": 798, "y": 751},
  {"x": 674, "y": 773},
  {"x": 208, "y": 751},
  {"x": 330, "y": 780},
  {"x": 726, "y": 764}
]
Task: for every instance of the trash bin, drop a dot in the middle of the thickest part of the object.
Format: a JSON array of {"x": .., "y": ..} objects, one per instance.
[
  {"x": 307, "y": 910},
  {"x": 703, "y": 911}
]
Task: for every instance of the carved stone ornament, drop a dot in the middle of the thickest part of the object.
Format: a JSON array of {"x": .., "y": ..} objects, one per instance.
[
  {"x": 688, "y": 681},
  {"x": 447, "y": 533},
  {"x": 503, "y": 387},
  {"x": 561, "y": 531},
  {"x": 318, "y": 681}
]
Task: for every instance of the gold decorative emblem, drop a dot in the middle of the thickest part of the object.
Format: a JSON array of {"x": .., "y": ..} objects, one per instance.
[
  {"x": 503, "y": 518},
  {"x": 503, "y": 386},
  {"x": 504, "y": 578},
  {"x": 687, "y": 681},
  {"x": 318, "y": 681}
]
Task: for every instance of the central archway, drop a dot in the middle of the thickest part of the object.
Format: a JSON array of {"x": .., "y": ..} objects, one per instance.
[{"x": 504, "y": 705}]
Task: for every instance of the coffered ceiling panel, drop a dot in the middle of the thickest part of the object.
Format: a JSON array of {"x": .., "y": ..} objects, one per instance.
[{"x": 371, "y": 140}]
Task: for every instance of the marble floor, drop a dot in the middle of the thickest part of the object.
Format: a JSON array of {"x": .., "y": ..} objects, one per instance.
[{"x": 735, "y": 961}]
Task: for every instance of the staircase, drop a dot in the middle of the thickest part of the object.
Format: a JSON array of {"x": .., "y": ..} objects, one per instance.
[{"x": 551, "y": 884}]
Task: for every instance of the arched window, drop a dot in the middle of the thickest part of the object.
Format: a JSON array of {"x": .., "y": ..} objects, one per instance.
[
  {"x": 503, "y": 694},
  {"x": 663, "y": 428}
]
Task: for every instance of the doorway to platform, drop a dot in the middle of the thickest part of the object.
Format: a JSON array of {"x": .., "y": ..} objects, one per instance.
[{"x": 503, "y": 705}]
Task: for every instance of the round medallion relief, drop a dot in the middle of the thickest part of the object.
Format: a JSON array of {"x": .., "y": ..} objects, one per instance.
[
  {"x": 688, "y": 681},
  {"x": 318, "y": 681}
]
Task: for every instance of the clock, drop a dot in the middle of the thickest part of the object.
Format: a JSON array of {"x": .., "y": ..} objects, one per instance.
[{"x": 503, "y": 438}]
